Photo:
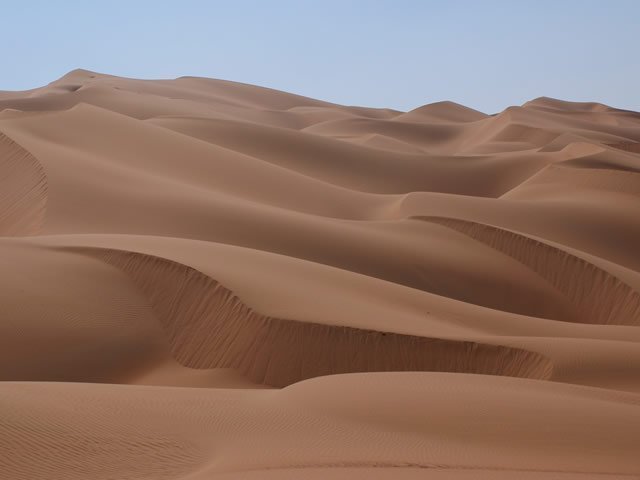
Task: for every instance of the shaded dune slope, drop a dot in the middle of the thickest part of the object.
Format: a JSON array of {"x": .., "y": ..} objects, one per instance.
[
  {"x": 557, "y": 178},
  {"x": 598, "y": 296},
  {"x": 209, "y": 327},
  {"x": 627, "y": 146},
  {"x": 23, "y": 192}
]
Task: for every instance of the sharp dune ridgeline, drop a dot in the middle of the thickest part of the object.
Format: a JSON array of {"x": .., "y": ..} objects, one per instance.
[{"x": 204, "y": 279}]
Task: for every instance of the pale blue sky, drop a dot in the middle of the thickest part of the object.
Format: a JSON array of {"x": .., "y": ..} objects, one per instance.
[{"x": 394, "y": 53}]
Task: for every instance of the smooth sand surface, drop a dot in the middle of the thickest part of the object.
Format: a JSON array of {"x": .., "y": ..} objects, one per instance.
[{"x": 203, "y": 279}]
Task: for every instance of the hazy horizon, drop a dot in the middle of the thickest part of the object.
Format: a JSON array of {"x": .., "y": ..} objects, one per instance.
[{"x": 397, "y": 55}]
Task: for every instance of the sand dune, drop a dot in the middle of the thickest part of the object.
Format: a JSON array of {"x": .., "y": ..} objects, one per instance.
[
  {"x": 24, "y": 190},
  {"x": 207, "y": 279},
  {"x": 599, "y": 297}
]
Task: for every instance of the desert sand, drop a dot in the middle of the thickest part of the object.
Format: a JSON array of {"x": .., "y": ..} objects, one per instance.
[{"x": 203, "y": 279}]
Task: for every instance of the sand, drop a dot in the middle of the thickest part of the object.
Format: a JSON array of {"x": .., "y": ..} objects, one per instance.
[{"x": 203, "y": 279}]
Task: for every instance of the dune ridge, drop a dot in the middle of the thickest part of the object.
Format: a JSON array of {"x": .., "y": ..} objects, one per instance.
[
  {"x": 209, "y": 327},
  {"x": 627, "y": 146},
  {"x": 23, "y": 197},
  {"x": 203, "y": 279},
  {"x": 599, "y": 297}
]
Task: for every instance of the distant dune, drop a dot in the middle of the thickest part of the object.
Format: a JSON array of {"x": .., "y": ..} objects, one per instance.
[{"x": 204, "y": 279}]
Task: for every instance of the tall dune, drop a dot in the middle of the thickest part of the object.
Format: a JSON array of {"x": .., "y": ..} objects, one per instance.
[{"x": 204, "y": 279}]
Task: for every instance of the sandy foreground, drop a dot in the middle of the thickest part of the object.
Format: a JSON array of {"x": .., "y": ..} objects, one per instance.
[{"x": 203, "y": 279}]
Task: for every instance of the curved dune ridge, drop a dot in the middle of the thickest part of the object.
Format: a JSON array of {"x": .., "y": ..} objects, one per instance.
[
  {"x": 23, "y": 197},
  {"x": 559, "y": 177},
  {"x": 204, "y": 279},
  {"x": 209, "y": 327},
  {"x": 598, "y": 296},
  {"x": 628, "y": 146}
]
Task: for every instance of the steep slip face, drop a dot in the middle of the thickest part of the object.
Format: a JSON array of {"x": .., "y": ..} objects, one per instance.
[
  {"x": 633, "y": 147},
  {"x": 598, "y": 296},
  {"x": 23, "y": 190},
  {"x": 559, "y": 180},
  {"x": 209, "y": 327}
]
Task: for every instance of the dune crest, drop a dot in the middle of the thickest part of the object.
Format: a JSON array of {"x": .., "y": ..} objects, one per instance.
[
  {"x": 209, "y": 327},
  {"x": 599, "y": 297}
]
